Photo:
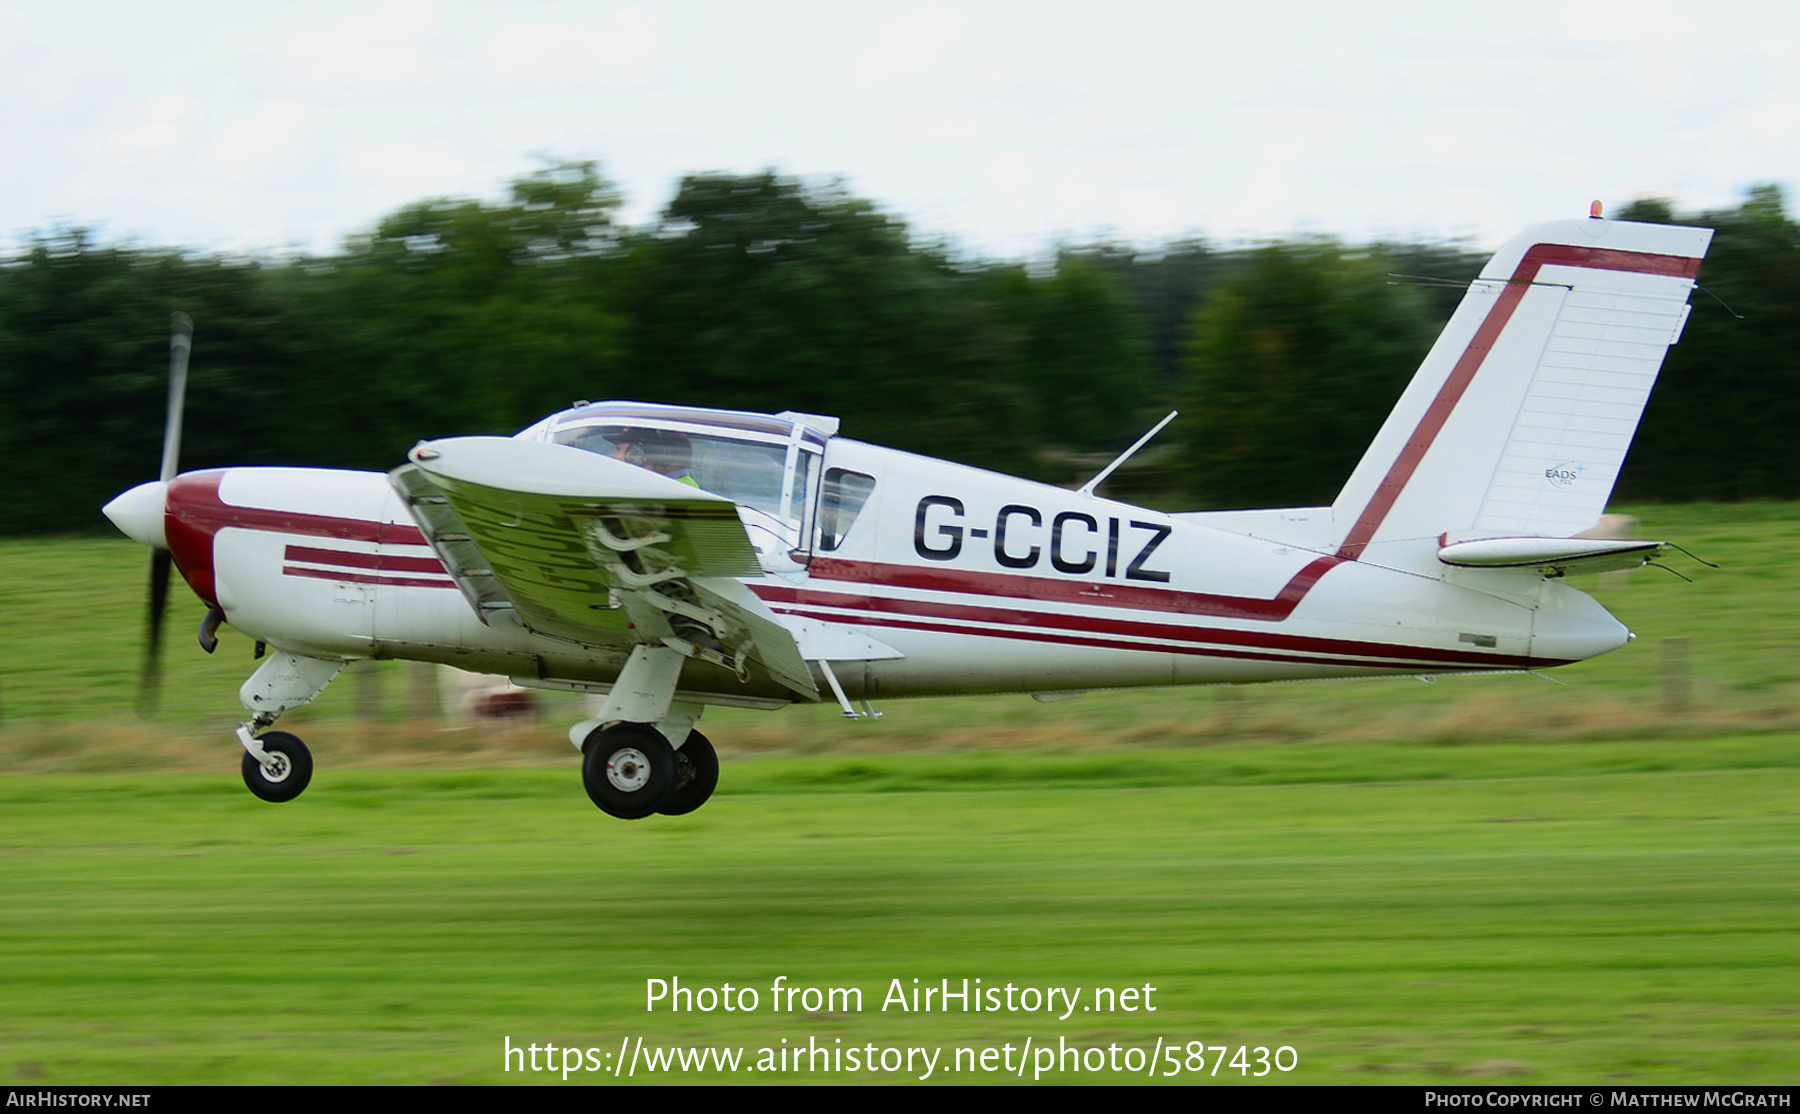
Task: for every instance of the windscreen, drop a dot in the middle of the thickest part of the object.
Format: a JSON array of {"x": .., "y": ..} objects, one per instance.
[{"x": 769, "y": 476}]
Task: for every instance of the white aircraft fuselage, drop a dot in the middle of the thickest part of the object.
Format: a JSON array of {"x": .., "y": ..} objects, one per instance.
[{"x": 978, "y": 582}]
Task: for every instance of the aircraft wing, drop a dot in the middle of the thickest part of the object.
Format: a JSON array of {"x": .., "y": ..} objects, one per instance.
[{"x": 597, "y": 551}]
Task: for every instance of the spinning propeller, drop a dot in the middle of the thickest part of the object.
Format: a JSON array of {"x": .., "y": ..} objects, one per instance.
[{"x": 181, "y": 340}]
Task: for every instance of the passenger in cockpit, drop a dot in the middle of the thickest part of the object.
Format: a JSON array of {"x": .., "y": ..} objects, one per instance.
[{"x": 663, "y": 451}]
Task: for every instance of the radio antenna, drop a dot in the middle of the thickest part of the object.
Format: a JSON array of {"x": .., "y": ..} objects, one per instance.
[{"x": 1088, "y": 488}]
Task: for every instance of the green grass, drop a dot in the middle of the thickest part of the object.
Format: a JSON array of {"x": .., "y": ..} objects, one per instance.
[
  {"x": 1396, "y": 913},
  {"x": 1487, "y": 879}
]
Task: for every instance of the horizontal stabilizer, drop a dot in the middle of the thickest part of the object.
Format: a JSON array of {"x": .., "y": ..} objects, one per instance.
[{"x": 1555, "y": 556}]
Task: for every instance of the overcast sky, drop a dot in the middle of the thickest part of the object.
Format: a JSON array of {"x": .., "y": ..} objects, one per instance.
[{"x": 1004, "y": 126}]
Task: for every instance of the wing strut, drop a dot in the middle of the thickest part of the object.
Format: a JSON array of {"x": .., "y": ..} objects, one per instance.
[{"x": 837, "y": 690}]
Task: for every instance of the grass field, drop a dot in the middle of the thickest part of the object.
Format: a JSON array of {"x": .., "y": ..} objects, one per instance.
[{"x": 1488, "y": 879}]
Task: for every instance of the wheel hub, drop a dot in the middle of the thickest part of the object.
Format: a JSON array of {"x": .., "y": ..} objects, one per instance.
[
  {"x": 277, "y": 767},
  {"x": 628, "y": 769}
]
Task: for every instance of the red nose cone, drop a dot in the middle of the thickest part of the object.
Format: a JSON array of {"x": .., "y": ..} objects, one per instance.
[{"x": 194, "y": 516}]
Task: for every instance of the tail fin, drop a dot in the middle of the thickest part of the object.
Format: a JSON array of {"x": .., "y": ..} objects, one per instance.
[{"x": 1519, "y": 418}]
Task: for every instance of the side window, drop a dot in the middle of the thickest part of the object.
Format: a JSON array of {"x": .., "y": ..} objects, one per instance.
[{"x": 841, "y": 499}]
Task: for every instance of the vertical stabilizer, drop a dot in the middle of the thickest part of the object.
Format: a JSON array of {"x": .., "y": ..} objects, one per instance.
[{"x": 1519, "y": 419}]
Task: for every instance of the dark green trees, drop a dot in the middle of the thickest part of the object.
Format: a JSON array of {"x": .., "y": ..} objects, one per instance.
[
  {"x": 765, "y": 293},
  {"x": 84, "y": 358},
  {"x": 1293, "y": 362},
  {"x": 761, "y": 293},
  {"x": 1721, "y": 422}
]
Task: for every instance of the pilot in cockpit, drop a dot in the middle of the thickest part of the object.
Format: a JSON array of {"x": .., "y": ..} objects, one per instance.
[{"x": 663, "y": 451}]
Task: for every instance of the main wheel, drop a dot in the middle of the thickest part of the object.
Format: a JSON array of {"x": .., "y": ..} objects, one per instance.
[
  {"x": 288, "y": 772},
  {"x": 696, "y": 776},
  {"x": 628, "y": 768}
]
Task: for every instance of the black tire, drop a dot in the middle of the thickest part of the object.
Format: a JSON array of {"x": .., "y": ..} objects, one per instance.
[
  {"x": 696, "y": 776},
  {"x": 628, "y": 769},
  {"x": 293, "y": 770}
]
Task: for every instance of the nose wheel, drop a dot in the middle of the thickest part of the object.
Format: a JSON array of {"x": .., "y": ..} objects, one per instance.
[{"x": 284, "y": 771}]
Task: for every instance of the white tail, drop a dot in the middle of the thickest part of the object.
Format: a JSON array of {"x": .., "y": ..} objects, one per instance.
[{"x": 1519, "y": 419}]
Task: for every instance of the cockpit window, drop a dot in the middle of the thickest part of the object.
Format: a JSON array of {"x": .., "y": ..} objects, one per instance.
[
  {"x": 750, "y": 473},
  {"x": 767, "y": 464}
]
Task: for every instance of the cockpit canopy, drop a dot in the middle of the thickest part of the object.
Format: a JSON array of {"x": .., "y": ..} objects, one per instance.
[{"x": 767, "y": 464}]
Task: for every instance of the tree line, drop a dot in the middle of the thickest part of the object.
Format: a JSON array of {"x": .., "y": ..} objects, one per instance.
[{"x": 759, "y": 292}]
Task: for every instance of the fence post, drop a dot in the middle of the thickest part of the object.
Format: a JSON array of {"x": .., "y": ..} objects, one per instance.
[{"x": 1675, "y": 674}]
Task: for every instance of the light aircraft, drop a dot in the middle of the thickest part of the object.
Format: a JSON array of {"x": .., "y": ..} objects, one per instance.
[{"x": 671, "y": 557}]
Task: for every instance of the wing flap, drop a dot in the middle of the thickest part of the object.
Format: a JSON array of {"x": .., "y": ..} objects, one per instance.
[{"x": 774, "y": 646}]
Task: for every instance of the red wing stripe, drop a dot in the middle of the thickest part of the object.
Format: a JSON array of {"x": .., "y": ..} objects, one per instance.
[{"x": 1540, "y": 256}]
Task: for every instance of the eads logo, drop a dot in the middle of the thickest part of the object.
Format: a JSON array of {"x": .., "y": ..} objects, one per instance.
[{"x": 1565, "y": 474}]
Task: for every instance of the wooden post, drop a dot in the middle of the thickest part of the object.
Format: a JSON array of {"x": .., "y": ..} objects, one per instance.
[{"x": 368, "y": 690}]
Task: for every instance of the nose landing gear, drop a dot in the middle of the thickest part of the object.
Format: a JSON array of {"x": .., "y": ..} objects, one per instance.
[
  {"x": 284, "y": 771},
  {"x": 277, "y": 765}
]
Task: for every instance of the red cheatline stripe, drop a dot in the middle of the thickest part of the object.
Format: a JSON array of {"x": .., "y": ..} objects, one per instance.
[
  {"x": 198, "y": 502},
  {"x": 383, "y": 562},
  {"x": 347, "y": 577},
  {"x": 1194, "y": 651},
  {"x": 886, "y": 612},
  {"x": 1051, "y": 589},
  {"x": 1540, "y": 256}
]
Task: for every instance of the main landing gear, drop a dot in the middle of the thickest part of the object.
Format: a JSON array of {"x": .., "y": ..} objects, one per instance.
[
  {"x": 631, "y": 771},
  {"x": 631, "y": 763}
]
